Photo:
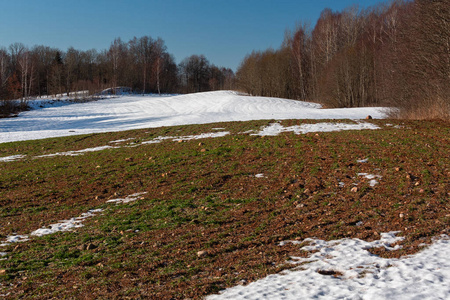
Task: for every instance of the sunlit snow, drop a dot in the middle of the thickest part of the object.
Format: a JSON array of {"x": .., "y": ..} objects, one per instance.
[
  {"x": 135, "y": 112},
  {"x": 344, "y": 269}
]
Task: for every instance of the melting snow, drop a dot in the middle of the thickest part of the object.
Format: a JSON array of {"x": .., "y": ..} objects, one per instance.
[
  {"x": 357, "y": 273},
  {"x": 371, "y": 177},
  {"x": 15, "y": 239},
  {"x": 11, "y": 158},
  {"x": 187, "y": 137},
  {"x": 66, "y": 225},
  {"x": 276, "y": 128},
  {"x": 78, "y": 152},
  {"x": 127, "y": 199},
  {"x": 121, "y": 141}
]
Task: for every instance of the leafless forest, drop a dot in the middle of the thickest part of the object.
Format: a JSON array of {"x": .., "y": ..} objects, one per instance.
[
  {"x": 395, "y": 54},
  {"x": 143, "y": 64}
]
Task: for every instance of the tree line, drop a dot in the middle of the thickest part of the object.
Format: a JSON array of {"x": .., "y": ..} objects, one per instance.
[
  {"x": 143, "y": 64},
  {"x": 394, "y": 54}
]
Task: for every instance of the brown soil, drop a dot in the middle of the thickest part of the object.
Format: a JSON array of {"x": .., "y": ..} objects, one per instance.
[{"x": 301, "y": 195}]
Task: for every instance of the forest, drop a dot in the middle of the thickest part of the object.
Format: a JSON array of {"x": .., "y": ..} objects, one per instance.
[
  {"x": 142, "y": 64},
  {"x": 395, "y": 54}
]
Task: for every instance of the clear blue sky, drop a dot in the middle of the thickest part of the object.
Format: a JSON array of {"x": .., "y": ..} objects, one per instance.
[{"x": 223, "y": 30}]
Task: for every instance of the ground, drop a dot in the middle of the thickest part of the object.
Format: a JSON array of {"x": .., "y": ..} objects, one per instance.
[{"x": 215, "y": 209}]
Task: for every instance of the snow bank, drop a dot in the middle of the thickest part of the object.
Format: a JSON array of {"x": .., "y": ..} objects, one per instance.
[{"x": 136, "y": 112}]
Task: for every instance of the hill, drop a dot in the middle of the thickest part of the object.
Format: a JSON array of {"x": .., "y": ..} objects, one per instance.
[{"x": 186, "y": 211}]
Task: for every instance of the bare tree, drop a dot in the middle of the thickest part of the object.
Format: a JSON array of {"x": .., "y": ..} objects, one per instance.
[
  {"x": 195, "y": 71},
  {"x": 5, "y": 71}
]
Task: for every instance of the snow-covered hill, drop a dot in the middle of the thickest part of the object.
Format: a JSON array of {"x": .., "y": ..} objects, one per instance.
[{"x": 135, "y": 112}]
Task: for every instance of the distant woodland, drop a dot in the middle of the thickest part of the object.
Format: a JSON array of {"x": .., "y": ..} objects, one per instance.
[
  {"x": 396, "y": 54},
  {"x": 142, "y": 64}
]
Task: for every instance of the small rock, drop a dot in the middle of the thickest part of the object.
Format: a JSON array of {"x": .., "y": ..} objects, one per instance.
[
  {"x": 203, "y": 150},
  {"x": 129, "y": 159},
  {"x": 2, "y": 272},
  {"x": 90, "y": 247},
  {"x": 401, "y": 215},
  {"x": 202, "y": 253},
  {"x": 369, "y": 117},
  {"x": 200, "y": 144},
  {"x": 354, "y": 189},
  {"x": 397, "y": 169}
]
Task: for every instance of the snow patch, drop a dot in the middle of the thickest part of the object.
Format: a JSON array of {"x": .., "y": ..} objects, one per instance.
[
  {"x": 276, "y": 128},
  {"x": 77, "y": 152},
  {"x": 127, "y": 199},
  {"x": 344, "y": 269},
  {"x": 11, "y": 158},
  {"x": 66, "y": 225},
  {"x": 187, "y": 137},
  {"x": 121, "y": 141},
  {"x": 371, "y": 177}
]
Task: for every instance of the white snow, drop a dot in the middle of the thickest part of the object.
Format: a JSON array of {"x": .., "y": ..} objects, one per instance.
[
  {"x": 135, "y": 112},
  {"x": 121, "y": 141},
  {"x": 276, "y": 128},
  {"x": 66, "y": 225},
  {"x": 187, "y": 137},
  {"x": 127, "y": 199},
  {"x": 359, "y": 274},
  {"x": 11, "y": 158},
  {"x": 76, "y": 153},
  {"x": 15, "y": 239},
  {"x": 371, "y": 177}
]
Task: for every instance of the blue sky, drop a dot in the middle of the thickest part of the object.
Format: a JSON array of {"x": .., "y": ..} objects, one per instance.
[{"x": 222, "y": 30}]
